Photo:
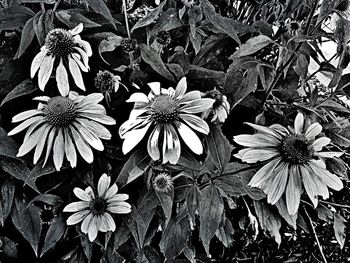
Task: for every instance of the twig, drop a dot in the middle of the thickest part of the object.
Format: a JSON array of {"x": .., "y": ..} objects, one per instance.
[
  {"x": 334, "y": 204},
  {"x": 316, "y": 237},
  {"x": 56, "y": 5}
]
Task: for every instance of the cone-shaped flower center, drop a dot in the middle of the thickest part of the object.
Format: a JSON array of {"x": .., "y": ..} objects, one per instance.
[
  {"x": 98, "y": 206},
  {"x": 60, "y": 111},
  {"x": 47, "y": 216},
  {"x": 164, "y": 109},
  {"x": 296, "y": 149},
  {"x": 105, "y": 81},
  {"x": 59, "y": 42},
  {"x": 162, "y": 182}
]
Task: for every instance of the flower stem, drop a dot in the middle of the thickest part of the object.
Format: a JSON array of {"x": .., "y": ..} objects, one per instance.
[
  {"x": 126, "y": 19},
  {"x": 56, "y": 5}
]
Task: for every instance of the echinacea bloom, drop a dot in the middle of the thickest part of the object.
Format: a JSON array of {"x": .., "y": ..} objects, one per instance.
[
  {"x": 220, "y": 109},
  {"x": 163, "y": 182},
  {"x": 64, "y": 124},
  {"x": 295, "y": 162},
  {"x": 95, "y": 210},
  {"x": 170, "y": 114},
  {"x": 66, "y": 47},
  {"x": 107, "y": 83}
]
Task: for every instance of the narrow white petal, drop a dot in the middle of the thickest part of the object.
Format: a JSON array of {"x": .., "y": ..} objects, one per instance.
[
  {"x": 95, "y": 128},
  {"x": 58, "y": 150},
  {"x": 299, "y": 123},
  {"x": 37, "y": 61},
  {"x": 293, "y": 190},
  {"x": 331, "y": 180},
  {"x": 103, "y": 185},
  {"x": 114, "y": 200},
  {"x": 25, "y": 115},
  {"x": 313, "y": 130},
  {"x": 25, "y": 125},
  {"x": 62, "y": 79},
  {"x": 197, "y": 106},
  {"x": 252, "y": 155},
  {"x": 40, "y": 146},
  {"x": 110, "y": 222},
  {"x": 264, "y": 173},
  {"x": 78, "y": 29},
  {"x": 32, "y": 141},
  {"x": 104, "y": 119},
  {"x": 89, "y": 137},
  {"x": 93, "y": 229},
  {"x": 83, "y": 148},
  {"x": 328, "y": 154},
  {"x": 45, "y": 71},
  {"x": 76, "y": 73},
  {"x": 77, "y": 58},
  {"x": 278, "y": 185},
  {"x": 70, "y": 149},
  {"x": 49, "y": 145},
  {"x": 77, "y": 217},
  {"x": 190, "y": 138},
  {"x": 152, "y": 144},
  {"x": 76, "y": 206},
  {"x": 133, "y": 137},
  {"x": 195, "y": 123},
  {"x": 181, "y": 88}
]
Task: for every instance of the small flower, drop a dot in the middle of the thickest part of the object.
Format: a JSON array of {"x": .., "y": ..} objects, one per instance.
[
  {"x": 220, "y": 109},
  {"x": 163, "y": 182},
  {"x": 95, "y": 210},
  {"x": 295, "y": 162},
  {"x": 107, "y": 83},
  {"x": 68, "y": 48},
  {"x": 64, "y": 124},
  {"x": 170, "y": 113}
]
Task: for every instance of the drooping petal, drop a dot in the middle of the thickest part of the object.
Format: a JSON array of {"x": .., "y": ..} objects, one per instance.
[
  {"x": 309, "y": 185},
  {"x": 81, "y": 194},
  {"x": 45, "y": 71},
  {"x": 313, "y": 130},
  {"x": 181, "y": 88},
  {"x": 331, "y": 180},
  {"x": 33, "y": 127},
  {"x": 319, "y": 143},
  {"x": 278, "y": 185},
  {"x": 26, "y": 115},
  {"x": 129, "y": 125},
  {"x": 83, "y": 148},
  {"x": 155, "y": 87},
  {"x": 76, "y": 73},
  {"x": 84, "y": 44},
  {"x": 190, "y": 138},
  {"x": 77, "y": 217},
  {"x": 138, "y": 97},
  {"x": 89, "y": 137},
  {"x": 104, "y": 119},
  {"x": 77, "y": 59},
  {"x": 103, "y": 185},
  {"x": 259, "y": 154},
  {"x": 95, "y": 128},
  {"x": 293, "y": 190},
  {"x": 84, "y": 57},
  {"x": 77, "y": 30},
  {"x": 49, "y": 145},
  {"x": 40, "y": 146},
  {"x": 133, "y": 137},
  {"x": 70, "y": 149},
  {"x": 32, "y": 141},
  {"x": 37, "y": 61},
  {"x": 195, "y": 122},
  {"x": 58, "y": 150},
  {"x": 76, "y": 206},
  {"x": 102, "y": 223},
  {"x": 25, "y": 125},
  {"x": 62, "y": 79},
  {"x": 152, "y": 144},
  {"x": 264, "y": 173},
  {"x": 256, "y": 140},
  {"x": 175, "y": 150},
  {"x": 197, "y": 106},
  {"x": 299, "y": 123}
]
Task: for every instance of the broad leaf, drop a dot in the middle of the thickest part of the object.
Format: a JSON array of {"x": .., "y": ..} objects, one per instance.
[
  {"x": 26, "y": 87},
  {"x": 49, "y": 199},
  {"x": 211, "y": 209},
  {"x": 100, "y": 7},
  {"x": 252, "y": 45},
  {"x": 109, "y": 44},
  {"x": 225, "y": 233},
  {"x": 15, "y": 16},
  {"x": 74, "y": 18},
  {"x": 136, "y": 165},
  {"x": 54, "y": 234},
  {"x": 27, "y": 222},
  {"x": 166, "y": 201},
  {"x": 26, "y": 38},
  {"x": 8, "y": 147},
  {"x": 339, "y": 229},
  {"x": 6, "y": 200},
  {"x": 8, "y": 247},
  {"x": 42, "y": 24}
]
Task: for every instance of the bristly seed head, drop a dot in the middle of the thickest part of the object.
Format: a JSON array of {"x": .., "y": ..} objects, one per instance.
[
  {"x": 164, "y": 109},
  {"x": 59, "y": 42},
  {"x": 98, "y": 206},
  {"x": 296, "y": 149},
  {"x": 163, "y": 182},
  {"x": 105, "y": 81},
  {"x": 60, "y": 111}
]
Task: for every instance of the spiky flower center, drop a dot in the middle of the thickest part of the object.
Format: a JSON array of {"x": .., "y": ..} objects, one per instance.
[
  {"x": 105, "y": 81},
  {"x": 129, "y": 45},
  {"x": 98, "y": 206},
  {"x": 60, "y": 111},
  {"x": 296, "y": 149},
  {"x": 164, "y": 109},
  {"x": 59, "y": 42},
  {"x": 162, "y": 182}
]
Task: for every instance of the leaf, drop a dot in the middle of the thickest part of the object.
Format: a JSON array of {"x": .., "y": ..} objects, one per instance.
[
  {"x": 192, "y": 201},
  {"x": 8, "y": 247},
  {"x": 54, "y": 234},
  {"x": 42, "y": 24},
  {"x": 253, "y": 45},
  {"x": 174, "y": 238},
  {"x": 27, "y": 37},
  {"x": 282, "y": 209},
  {"x": 339, "y": 131},
  {"x": 86, "y": 246},
  {"x": 15, "y": 16},
  {"x": 138, "y": 228},
  {"x": 152, "y": 58},
  {"x": 7, "y": 195},
  {"x": 166, "y": 200},
  {"x": 339, "y": 229},
  {"x": 268, "y": 220},
  {"x": 220, "y": 22},
  {"x": 150, "y": 17},
  {"x": 225, "y": 233},
  {"x": 219, "y": 148},
  {"x": 27, "y": 222},
  {"x": 134, "y": 167},
  {"x": 49, "y": 199},
  {"x": 109, "y": 44},
  {"x": 26, "y": 87},
  {"x": 211, "y": 209},
  {"x": 324, "y": 213},
  {"x": 100, "y": 7},
  {"x": 8, "y": 147},
  {"x": 39, "y": 171},
  {"x": 110, "y": 256},
  {"x": 73, "y": 18}
]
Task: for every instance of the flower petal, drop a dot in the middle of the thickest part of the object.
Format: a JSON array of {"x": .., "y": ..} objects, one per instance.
[
  {"x": 77, "y": 217},
  {"x": 37, "y": 61},
  {"x": 110, "y": 222},
  {"x": 277, "y": 187},
  {"x": 293, "y": 190},
  {"x": 181, "y": 88},
  {"x": 265, "y": 130},
  {"x": 133, "y": 137},
  {"x": 331, "y": 180},
  {"x": 328, "y": 154},
  {"x": 104, "y": 119},
  {"x": 32, "y": 141},
  {"x": 78, "y": 29},
  {"x": 190, "y": 96},
  {"x": 58, "y": 150},
  {"x": 83, "y": 148},
  {"x": 197, "y": 106},
  {"x": 62, "y": 79},
  {"x": 152, "y": 144},
  {"x": 309, "y": 185},
  {"x": 86, "y": 223},
  {"x": 25, "y": 125},
  {"x": 255, "y": 155},
  {"x": 264, "y": 173},
  {"x": 45, "y": 71},
  {"x": 114, "y": 200},
  {"x": 190, "y": 138},
  {"x": 76, "y": 206},
  {"x": 121, "y": 208},
  {"x": 76, "y": 73},
  {"x": 89, "y": 137},
  {"x": 93, "y": 229},
  {"x": 81, "y": 194},
  {"x": 49, "y": 145},
  {"x": 195, "y": 123},
  {"x": 155, "y": 87},
  {"x": 25, "y": 115},
  {"x": 313, "y": 130},
  {"x": 319, "y": 143},
  {"x": 70, "y": 149},
  {"x": 299, "y": 123},
  {"x": 256, "y": 140},
  {"x": 103, "y": 185},
  {"x": 112, "y": 191},
  {"x": 138, "y": 97},
  {"x": 95, "y": 128},
  {"x": 40, "y": 146}
]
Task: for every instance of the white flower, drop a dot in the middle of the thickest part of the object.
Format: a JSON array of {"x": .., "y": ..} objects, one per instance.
[
  {"x": 70, "y": 50},
  {"x": 95, "y": 211}
]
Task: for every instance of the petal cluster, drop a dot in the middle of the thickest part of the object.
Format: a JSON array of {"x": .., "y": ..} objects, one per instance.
[
  {"x": 170, "y": 115},
  {"x": 66, "y": 48},
  {"x": 65, "y": 126},
  {"x": 94, "y": 211},
  {"x": 295, "y": 162}
]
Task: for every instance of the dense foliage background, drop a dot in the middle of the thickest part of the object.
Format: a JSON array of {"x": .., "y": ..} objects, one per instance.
[{"x": 270, "y": 58}]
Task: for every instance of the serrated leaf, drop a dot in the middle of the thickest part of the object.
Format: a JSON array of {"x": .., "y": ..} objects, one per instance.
[
  {"x": 6, "y": 200},
  {"x": 150, "y": 17},
  {"x": 174, "y": 238},
  {"x": 54, "y": 234},
  {"x": 253, "y": 45},
  {"x": 27, "y": 222},
  {"x": 100, "y": 7},
  {"x": 268, "y": 220},
  {"x": 152, "y": 58},
  {"x": 219, "y": 148},
  {"x": 211, "y": 209},
  {"x": 339, "y": 229},
  {"x": 26, "y": 87},
  {"x": 27, "y": 37},
  {"x": 134, "y": 167}
]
